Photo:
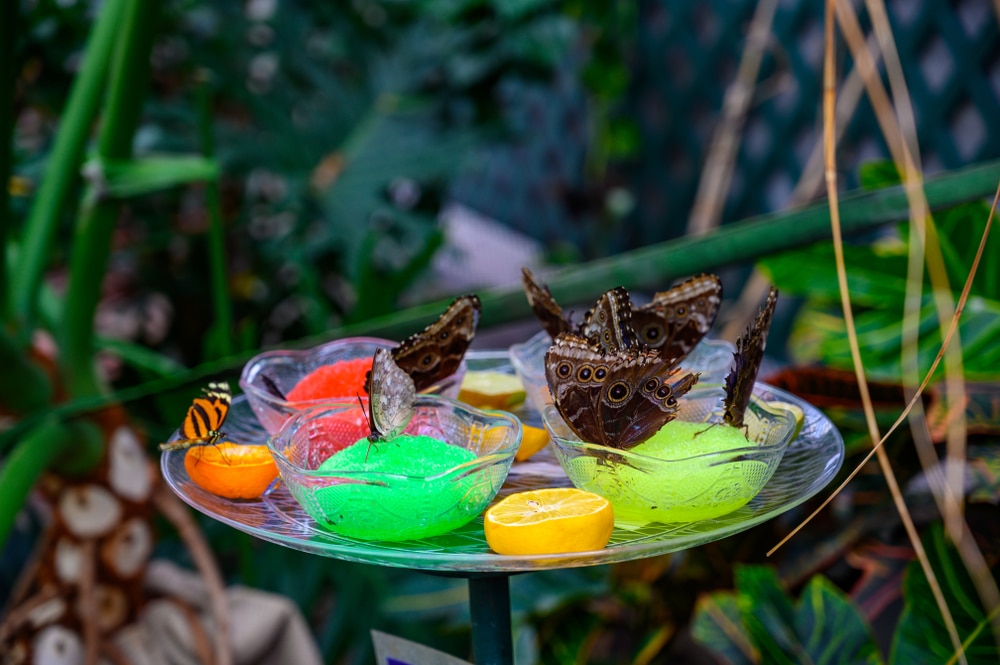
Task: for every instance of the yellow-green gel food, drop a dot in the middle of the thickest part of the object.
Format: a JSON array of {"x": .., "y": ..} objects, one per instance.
[{"x": 688, "y": 479}]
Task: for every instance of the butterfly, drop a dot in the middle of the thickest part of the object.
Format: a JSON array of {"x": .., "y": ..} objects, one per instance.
[
  {"x": 675, "y": 320},
  {"x": 617, "y": 398},
  {"x": 434, "y": 354},
  {"x": 672, "y": 323},
  {"x": 548, "y": 311},
  {"x": 608, "y": 324},
  {"x": 392, "y": 398},
  {"x": 747, "y": 357},
  {"x": 202, "y": 425}
]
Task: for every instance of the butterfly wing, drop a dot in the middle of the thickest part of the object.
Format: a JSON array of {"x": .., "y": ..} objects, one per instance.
[
  {"x": 392, "y": 397},
  {"x": 203, "y": 422},
  {"x": 616, "y": 399},
  {"x": 747, "y": 358},
  {"x": 548, "y": 311},
  {"x": 674, "y": 321},
  {"x": 608, "y": 325},
  {"x": 435, "y": 354}
]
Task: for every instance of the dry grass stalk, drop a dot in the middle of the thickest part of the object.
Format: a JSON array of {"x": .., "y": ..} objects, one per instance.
[{"x": 718, "y": 170}]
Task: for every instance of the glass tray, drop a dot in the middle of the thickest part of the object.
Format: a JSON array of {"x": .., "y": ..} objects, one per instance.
[{"x": 810, "y": 462}]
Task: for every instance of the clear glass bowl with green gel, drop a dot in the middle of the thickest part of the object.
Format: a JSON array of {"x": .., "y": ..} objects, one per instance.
[
  {"x": 438, "y": 475},
  {"x": 694, "y": 468}
]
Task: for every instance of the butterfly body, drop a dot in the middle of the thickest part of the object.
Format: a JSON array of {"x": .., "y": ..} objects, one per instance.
[
  {"x": 434, "y": 354},
  {"x": 617, "y": 398},
  {"x": 203, "y": 423}
]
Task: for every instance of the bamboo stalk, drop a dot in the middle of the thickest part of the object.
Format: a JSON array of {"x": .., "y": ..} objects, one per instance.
[
  {"x": 63, "y": 167},
  {"x": 8, "y": 39},
  {"x": 221, "y": 332},
  {"x": 92, "y": 234}
]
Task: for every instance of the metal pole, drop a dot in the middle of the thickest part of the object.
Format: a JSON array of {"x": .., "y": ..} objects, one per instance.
[{"x": 489, "y": 607}]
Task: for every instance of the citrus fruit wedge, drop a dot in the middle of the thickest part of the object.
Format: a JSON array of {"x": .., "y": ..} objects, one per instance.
[
  {"x": 549, "y": 521},
  {"x": 489, "y": 389},
  {"x": 231, "y": 470},
  {"x": 533, "y": 439}
]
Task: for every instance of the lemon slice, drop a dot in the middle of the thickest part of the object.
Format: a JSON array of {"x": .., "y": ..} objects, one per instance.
[
  {"x": 549, "y": 521},
  {"x": 795, "y": 410},
  {"x": 491, "y": 390},
  {"x": 533, "y": 439}
]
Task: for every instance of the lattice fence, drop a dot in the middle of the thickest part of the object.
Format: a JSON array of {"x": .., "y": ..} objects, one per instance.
[{"x": 687, "y": 54}]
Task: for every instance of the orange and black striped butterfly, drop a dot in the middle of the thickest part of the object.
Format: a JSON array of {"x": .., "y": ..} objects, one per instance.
[{"x": 202, "y": 425}]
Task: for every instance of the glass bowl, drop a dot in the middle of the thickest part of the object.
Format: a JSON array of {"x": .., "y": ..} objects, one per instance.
[
  {"x": 370, "y": 505},
  {"x": 711, "y": 357},
  {"x": 285, "y": 368},
  {"x": 644, "y": 489}
]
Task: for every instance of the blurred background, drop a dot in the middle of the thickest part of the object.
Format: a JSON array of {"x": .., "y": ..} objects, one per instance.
[{"x": 373, "y": 155}]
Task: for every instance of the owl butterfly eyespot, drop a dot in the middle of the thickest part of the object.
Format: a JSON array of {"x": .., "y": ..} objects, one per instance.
[
  {"x": 608, "y": 324},
  {"x": 616, "y": 399},
  {"x": 432, "y": 356},
  {"x": 202, "y": 425},
  {"x": 746, "y": 362},
  {"x": 392, "y": 398},
  {"x": 675, "y": 320}
]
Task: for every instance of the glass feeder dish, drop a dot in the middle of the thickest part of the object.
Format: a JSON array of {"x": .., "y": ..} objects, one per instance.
[
  {"x": 285, "y": 368},
  {"x": 687, "y": 488},
  {"x": 711, "y": 357},
  {"x": 376, "y": 505}
]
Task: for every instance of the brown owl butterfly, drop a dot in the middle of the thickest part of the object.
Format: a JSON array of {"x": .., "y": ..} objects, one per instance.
[
  {"x": 674, "y": 321},
  {"x": 749, "y": 353},
  {"x": 548, "y": 311},
  {"x": 617, "y": 399},
  {"x": 608, "y": 324},
  {"x": 431, "y": 356}
]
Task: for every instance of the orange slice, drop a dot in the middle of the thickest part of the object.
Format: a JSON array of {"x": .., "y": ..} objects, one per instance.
[
  {"x": 549, "y": 521},
  {"x": 231, "y": 470},
  {"x": 533, "y": 439}
]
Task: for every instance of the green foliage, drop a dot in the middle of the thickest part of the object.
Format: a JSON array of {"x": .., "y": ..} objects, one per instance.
[
  {"x": 877, "y": 277},
  {"x": 759, "y": 623},
  {"x": 921, "y": 635}
]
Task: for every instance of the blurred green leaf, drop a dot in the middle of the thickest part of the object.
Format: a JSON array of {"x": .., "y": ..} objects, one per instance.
[
  {"x": 759, "y": 623},
  {"x": 921, "y": 635},
  {"x": 145, "y": 175}
]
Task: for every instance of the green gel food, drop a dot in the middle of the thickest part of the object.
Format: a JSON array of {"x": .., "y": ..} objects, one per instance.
[
  {"x": 393, "y": 495},
  {"x": 686, "y": 487}
]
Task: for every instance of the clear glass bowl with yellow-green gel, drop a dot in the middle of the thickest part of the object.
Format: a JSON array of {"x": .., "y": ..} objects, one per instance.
[
  {"x": 694, "y": 468},
  {"x": 444, "y": 469}
]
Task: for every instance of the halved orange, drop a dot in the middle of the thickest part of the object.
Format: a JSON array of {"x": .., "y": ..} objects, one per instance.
[
  {"x": 549, "y": 521},
  {"x": 231, "y": 470}
]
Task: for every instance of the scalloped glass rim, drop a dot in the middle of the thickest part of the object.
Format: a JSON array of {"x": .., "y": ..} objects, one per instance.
[
  {"x": 301, "y": 359},
  {"x": 424, "y": 403},
  {"x": 273, "y": 411}
]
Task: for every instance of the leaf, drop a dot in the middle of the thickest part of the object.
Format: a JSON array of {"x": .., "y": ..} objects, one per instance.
[
  {"x": 824, "y": 628},
  {"x": 141, "y": 357},
  {"x": 718, "y": 626},
  {"x": 921, "y": 636},
  {"x": 145, "y": 175}
]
